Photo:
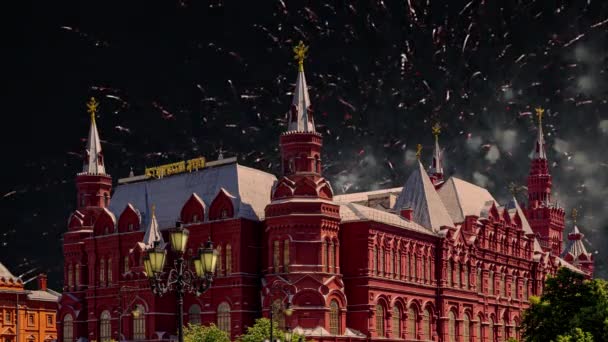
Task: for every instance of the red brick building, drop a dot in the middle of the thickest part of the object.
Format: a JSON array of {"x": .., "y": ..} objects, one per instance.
[{"x": 436, "y": 260}]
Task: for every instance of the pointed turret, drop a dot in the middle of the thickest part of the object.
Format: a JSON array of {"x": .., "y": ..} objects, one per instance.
[
  {"x": 93, "y": 183},
  {"x": 539, "y": 179},
  {"x": 575, "y": 251},
  {"x": 153, "y": 232},
  {"x": 300, "y": 115},
  {"x": 93, "y": 163},
  {"x": 436, "y": 169}
]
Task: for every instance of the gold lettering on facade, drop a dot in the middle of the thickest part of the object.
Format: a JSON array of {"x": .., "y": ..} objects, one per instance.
[{"x": 175, "y": 168}]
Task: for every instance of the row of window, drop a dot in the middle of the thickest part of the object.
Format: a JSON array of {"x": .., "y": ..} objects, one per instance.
[
  {"x": 276, "y": 256},
  {"x": 139, "y": 322},
  {"x": 31, "y": 318},
  {"x": 402, "y": 266},
  {"x": 396, "y": 323},
  {"x": 474, "y": 331},
  {"x": 224, "y": 260}
]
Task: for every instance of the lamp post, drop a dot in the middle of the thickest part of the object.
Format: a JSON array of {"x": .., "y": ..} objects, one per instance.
[
  {"x": 287, "y": 310},
  {"x": 180, "y": 279}
]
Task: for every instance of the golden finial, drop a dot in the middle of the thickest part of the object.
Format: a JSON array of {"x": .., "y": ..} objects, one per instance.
[
  {"x": 92, "y": 107},
  {"x": 418, "y": 151},
  {"x": 436, "y": 130},
  {"x": 539, "y": 112},
  {"x": 300, "y": 50},
  {"x": 574, "y": 215}
]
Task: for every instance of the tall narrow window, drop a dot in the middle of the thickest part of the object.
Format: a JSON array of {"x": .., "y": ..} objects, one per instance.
[
  {"x": 68, "y": 328},
  {"x": 220, "y": 264},
  {"x": 396, "y": 322},
  {"x": 276, "y": 253},
  {"x": 139, "y": 323},
  {"x": 105, "y": 329},
  {"x": 449, "y": 273},
  {"x": 126, "y": 264},
  {"x": 102, "y": 272},
  {"x": 429, "y": 276},
  {"x": 457, "y": 274},
  {"x": 465, "y": 280},
  {"x": 381, "y": 261},
  {"x": 415, "y": 266},
  {"x": 77, "y": 275},
  {"x": 194, "y": 314},
  {"x": 223, "y": 317},
  {"x": 491, "y": 283},
  {"x": 326, "y": 256},
  {"x": 503, "y": 330},
  {"x": 412, "y": 325},
  {"x": 110, "y": 271},
  {"x": 379, "y": 320},
  {"x": 331, "y": 256},
  {"x": 398, "y": 264},
  {"x": 503, "y": 286},
  {"x": 478, "y": 329},
  {"x": 334, "y": 327},
  {"x": 478, "y": 280},
  {"x": 451, "y": 327},
  {"x": 491, "y": 330},
  {"x": 466, "y": 326},
  {"x": 426, "y": 325},
  {"x": 525, "y": 286},
  {"x": 70, "y": 275},
  {"x": 286, "y": 255},
  {"x": 228, "y": 259},
  {"x": 407, "y": 266},
  {"x": 423, "y": 273},
  {"x": 514, "y": 287},
  {"x": 375, "y": 261},
  {"x": 391, "y": 263}
]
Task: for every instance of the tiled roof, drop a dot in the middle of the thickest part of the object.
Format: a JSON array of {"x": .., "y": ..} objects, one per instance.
[
  {"x": 420, "y": 195},
  {"x": 351, "y": 212},
  {"x": 250, "y": 187},
  {"x": 462, "y": 198}
]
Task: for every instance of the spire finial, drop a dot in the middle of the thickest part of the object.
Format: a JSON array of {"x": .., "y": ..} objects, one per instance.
[
  {"x": 574, "y": 215},
  {"x": 418, "y": 151},
  {"x": 92, "y": 107},
  {"x": 300, "y": 51},
  {"x": 153, "y": 210},
  {"x": 436, "y": 130},
  {"x": 539, "y": 112}
]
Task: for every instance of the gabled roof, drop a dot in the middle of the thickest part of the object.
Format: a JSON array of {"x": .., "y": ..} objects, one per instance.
[
  {"x": 250, "y": 187},
  {"x": 352, "y": 212},
  {"x": 462, "y": 198},
  {"x": 420, "y": 195}
]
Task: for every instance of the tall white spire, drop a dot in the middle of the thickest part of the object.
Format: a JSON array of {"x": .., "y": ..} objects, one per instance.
[
  {"x": 539, "y": 148},
  {"x": 94, "y": 163},
  {"x": 153, "y": 232},
  {"x": 436, "y": 168},
  {"x": 300, "y": 118}
]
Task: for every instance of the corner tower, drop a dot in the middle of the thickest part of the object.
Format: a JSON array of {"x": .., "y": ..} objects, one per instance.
[
  {"x": 545, "y": 217},
  {"x": 302, "y": 264}
]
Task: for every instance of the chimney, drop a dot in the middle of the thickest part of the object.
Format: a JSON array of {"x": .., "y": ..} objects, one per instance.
[
  {"x": 407, "y": 213},
  {"x": 42, "y": 282}
]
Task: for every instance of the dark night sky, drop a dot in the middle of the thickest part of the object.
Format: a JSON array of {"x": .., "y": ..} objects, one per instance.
[{"x": 181, "y": 79}]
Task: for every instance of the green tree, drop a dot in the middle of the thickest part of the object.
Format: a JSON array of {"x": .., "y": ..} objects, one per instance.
[
  {"x": 260, "y": 331},
  {"x": 569, "y": 302},
  {"x": 204, "y": 333}
]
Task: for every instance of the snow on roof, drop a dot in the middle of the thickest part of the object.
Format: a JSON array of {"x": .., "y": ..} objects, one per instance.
[
  {"x": 351, "y": 212},
  {"x": 462, "y": 198},
  {"x": 250, "y": 187},
  {"x": 364, "y": 196},
  {"x": 46, "y": 296},
  {"x": 420, "y": 195},
  {"x": 6, "y": 274}
]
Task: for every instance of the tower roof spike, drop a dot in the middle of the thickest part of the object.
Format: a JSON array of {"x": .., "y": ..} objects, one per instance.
[
  {"x": 436, "y": 169},
  {"x": 539, "y": 151},
  {"x": 94, "y": 163},
  {"x": 300, "y": 116}
]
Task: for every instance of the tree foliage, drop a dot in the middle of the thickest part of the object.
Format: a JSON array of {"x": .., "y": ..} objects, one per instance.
[
  {"x": 571, "y": 309},
  {"x": 204, "y": 333},
  {"x": 260, "y": 331}
]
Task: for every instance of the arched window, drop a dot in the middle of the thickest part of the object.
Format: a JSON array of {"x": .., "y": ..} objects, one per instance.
[
  {"x": 412, "y": 323},
  {"x": 429, "y": 276},
  {"x": 102, "y": 272},
  {"x": 379, "y": 320},
  {"x": 381, "y": 261},
  {"x": 491, "y": 283},
  {"x": 286, "y": 255},
  {"x": 503, "y": 286},
  {"x": 398, "y": 264},
  {"x": 77, "y": 275},
  {"x": 525, "y": 289},
  {"x": 449, "y": 273},
  {"x": 139, "y": 323},
  {"x": 465, "y": 280},
  {"x": 70, "y": 275},
  {"x": 516, "y": 331},
  {"x": 220, "y": 265},
  {"x": 396, "y": 322},
  {"x": 423, "y": 273},
  {"x": 503, "y": 330},
  {"x": 457, "y": 274},
  {"x": 407, "y": 266},
  {"x": 194, "y": 314},
  {"x": 491, "y": 330},
  {"x": 451, "y": 327},
  {"x": 426, "y": 324},
  {"x": 326, "y": 256},
  {"x": 276, "y": 255},
  {"x": 478, "y": 329},
  {"x": 68, "y": 328},
  {"x": 466, "y": 326},
  {"x": 105, "y": 329},
  {"x": 109, "y": 271},
  {"x": 278, "y": 314},
  {"x": 414, "y": 266},
  {"x": 331, "y": 256},
  {"x": 334, "y": 323},
  {"x": 391, "y": 263},
  {"x": 375, "y": 261},
  {"x": 514, "y": 287},
  {"x": 479, "y": 276},
  {"x": 228, "y": 259},
  {"x": 223, "y": 317}
]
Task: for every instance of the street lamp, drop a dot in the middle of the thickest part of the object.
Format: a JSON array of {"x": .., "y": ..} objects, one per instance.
[
  {"x": 288, "y": 335},
  {"x": 180, "y": 278},
  {"x": 287, "y": 310}
]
